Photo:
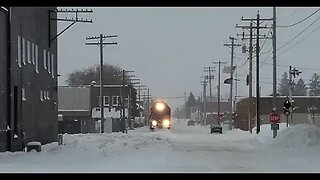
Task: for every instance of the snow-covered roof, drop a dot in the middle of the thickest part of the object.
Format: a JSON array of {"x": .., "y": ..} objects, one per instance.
[{"x": 73, "y": 98}]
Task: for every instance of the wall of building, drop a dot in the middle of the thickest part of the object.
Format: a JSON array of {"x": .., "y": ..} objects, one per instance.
[
  {"x": 35, "y": 117},
  {"x": 3, "y": 80}
]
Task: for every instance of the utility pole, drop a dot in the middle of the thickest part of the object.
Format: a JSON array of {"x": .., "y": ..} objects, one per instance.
[
  {"x": 274, "y": 46},
  {"x": 257, "y": 75},
  {"x": 258, "y": 37},
  {"x": 148, "y": 101},
  {"x": 210, "y": 69},
  {"x": 101, "y": 43},
  {"x": 219, "y": 72},
  {"x": 124, "y": 121},
  {"x": 74, "y": 20},
  {"x": 139, "y": 99},
  {"x": 131, "y": 121},
  {"x": 204, "y": 83},
  {"x": 231, "y": 77}
]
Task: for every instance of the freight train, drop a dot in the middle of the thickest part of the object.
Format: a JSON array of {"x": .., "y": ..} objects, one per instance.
[{"x": 160, "y": 115}]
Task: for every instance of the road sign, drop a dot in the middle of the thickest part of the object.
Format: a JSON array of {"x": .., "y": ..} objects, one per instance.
[{"x": 274, "y": 118}]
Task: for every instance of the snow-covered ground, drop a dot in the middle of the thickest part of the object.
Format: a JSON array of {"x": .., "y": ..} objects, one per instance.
[{"x": 180, "y": 149}]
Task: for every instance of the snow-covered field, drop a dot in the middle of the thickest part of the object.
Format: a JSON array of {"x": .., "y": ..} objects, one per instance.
[{"x": 180, "y": 149}]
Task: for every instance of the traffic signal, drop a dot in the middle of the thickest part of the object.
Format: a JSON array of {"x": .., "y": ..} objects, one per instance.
[
  {"x": 286, "y": 112},
  {"x": 287, "y": 104}
]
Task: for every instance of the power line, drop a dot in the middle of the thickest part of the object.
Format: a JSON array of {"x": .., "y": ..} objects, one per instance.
[
  {"x": 304, "y": 68},
  {"x": 265, "y": 40},
  {"x": 301, "y": 20},
  {"x": 300, "y": 41},
  {"x": 298, "y": 34},
  {"x": 289, "y": 16}
]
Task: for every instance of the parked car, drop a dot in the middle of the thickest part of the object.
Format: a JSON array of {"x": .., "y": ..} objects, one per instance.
[
  {"x": 190, "y": 122},
  {"x": 216, "y": 128}
]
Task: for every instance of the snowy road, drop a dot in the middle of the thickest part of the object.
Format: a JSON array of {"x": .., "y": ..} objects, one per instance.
[{"x": 181, "y": 149}]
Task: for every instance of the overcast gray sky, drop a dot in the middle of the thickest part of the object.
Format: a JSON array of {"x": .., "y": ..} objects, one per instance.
[{"x": 168, "y": 47}]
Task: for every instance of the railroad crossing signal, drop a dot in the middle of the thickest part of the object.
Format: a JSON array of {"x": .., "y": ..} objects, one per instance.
[{"x": 287, "y": 104}]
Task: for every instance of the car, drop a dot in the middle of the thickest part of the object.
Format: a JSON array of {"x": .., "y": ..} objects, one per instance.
[
  {"x": 190, "y": 122},
  {"x": 216, "y": 129}
]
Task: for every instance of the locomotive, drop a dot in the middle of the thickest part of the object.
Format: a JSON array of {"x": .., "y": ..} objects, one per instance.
[{"x": 160, "y": 115}]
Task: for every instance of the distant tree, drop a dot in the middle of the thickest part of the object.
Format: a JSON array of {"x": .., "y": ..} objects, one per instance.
[
  {"x": 111, "y": 75},
  {"x": 191, "y": 102},
  {"x": 283, "y": 88},
  {"x": 314, "y": 85},
  {"x": 198, "y": 101},
  {"x": 300, "y": 88}
]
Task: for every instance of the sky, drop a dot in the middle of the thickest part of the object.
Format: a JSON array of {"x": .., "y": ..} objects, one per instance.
[
  {"x": 181, "y": 149},
  {"x": 168, "y": 47}
]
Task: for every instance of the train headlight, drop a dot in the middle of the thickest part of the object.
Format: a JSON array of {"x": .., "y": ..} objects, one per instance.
[
  {"x": 160, "y": 106},
  {"x": 154, "y": 123},
  {"x": 166, "y": 123}
]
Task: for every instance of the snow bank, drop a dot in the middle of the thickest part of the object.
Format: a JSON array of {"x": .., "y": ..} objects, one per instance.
[{"x": 300, "y": 135}]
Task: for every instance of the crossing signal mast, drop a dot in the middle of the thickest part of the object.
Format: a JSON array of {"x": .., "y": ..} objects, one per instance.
[
  {"x": 292, "y": 72},
  {"x": 286, "y": 105}
]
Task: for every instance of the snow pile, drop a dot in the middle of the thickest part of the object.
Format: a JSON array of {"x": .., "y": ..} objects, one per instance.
[
  {"x": 108, "y": 144},
  {"x": 300, "y": 135}
]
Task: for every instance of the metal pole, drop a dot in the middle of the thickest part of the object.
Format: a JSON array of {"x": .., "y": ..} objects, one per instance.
[
  {"x": 139, "y": 107},
  {"x": 250, "y": 79},
  {"x": 257, "y": 76},
  {"x": 274, "y": 133},
  {"x": 144, "y": 105},
  {"x": 219, "y": 94},
  {"x": 290, "y": 91},
  {"x": 101, "y": 85},
  {"x": 210, "y": 83},
  {"x": 236, "y": 91},
  {"x": 123, "y": 106},
  {"x": 129, "y": 109},
  {"x": 231, "y": 83},
  {"x": 148, "y": 106},
  {"x": 274, "y": 44},
  {"x": 204, "y": 100}
]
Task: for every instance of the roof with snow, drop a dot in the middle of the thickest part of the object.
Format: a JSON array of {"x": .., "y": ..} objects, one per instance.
[{"x": 73, "y": 98}]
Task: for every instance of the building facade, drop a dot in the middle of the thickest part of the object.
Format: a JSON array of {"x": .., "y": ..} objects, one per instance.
[
  {"x": 303, "y": 113},
  {"x": 28, "y": 76},
  {"x": 82, "y": 115}
]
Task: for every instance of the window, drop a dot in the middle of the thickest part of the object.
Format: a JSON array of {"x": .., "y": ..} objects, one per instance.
[
  {"x": 37, "y": 59},
  {"x": 28, "y": 52},
  {"x": 23, "y": 94},
  {"x": 41, "y": 95},
  {"x": 106, "y": 100},
  {"x": 114, "y": 100},
  {"x": 24, "y": 51},
  {"x": 19, "y": 51},
  {"x": 52, "y": 65},
  {"x": 119, "y": 100},
  {"x": 49, "y": 62},
  {"x": 45, "y": 59},
  {"x": 33, "y": 53}
]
